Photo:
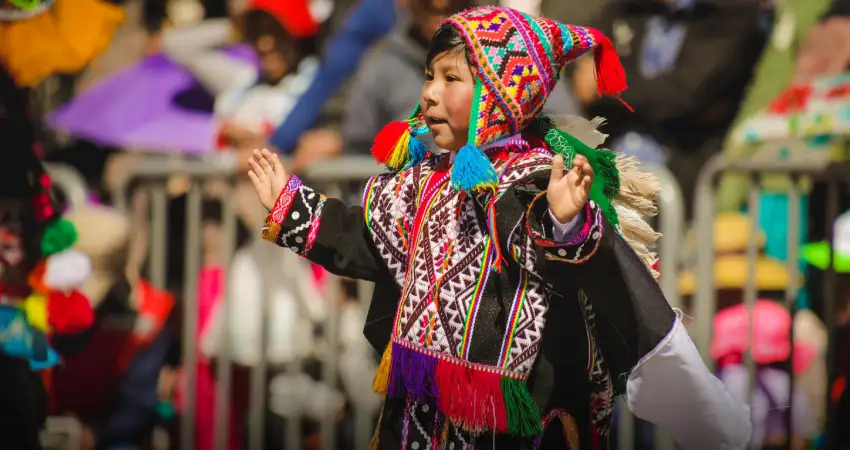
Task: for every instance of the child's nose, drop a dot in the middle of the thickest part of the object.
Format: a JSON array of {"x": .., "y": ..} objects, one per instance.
[{"x": 430, "y": 94}]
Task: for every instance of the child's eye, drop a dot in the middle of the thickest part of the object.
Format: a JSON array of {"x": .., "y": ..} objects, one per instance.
[
  {"x": 452, "y": 78},
  {"x": 429, "y": 76}
]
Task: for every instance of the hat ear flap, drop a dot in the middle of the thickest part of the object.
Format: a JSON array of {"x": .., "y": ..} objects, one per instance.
[{"x": 472, "y": 170}]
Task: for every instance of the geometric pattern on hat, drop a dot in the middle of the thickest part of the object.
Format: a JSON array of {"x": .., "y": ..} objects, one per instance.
[{"x": 519, "y": 59}]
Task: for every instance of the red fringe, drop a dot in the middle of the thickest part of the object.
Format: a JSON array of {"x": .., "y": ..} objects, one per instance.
[
  {"x": 386, "y": 140},
  {"x": 471, "y": 399}
]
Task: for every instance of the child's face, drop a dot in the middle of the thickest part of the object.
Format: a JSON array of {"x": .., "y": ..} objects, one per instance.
[
  {"x": 447, "y": 99},
  {"x": 272, "y": 63}
]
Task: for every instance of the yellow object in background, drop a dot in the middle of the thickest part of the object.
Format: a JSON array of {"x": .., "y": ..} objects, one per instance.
[
  {"x": 35, "y": 307},
  {"x": 64, "y": 39},
  {"x": 730, "y": 272}
]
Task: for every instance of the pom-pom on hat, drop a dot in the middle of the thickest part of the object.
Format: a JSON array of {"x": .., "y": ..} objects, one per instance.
[
  {"x": 294, "y": 15},
  {"x": 518, "y": 59}
]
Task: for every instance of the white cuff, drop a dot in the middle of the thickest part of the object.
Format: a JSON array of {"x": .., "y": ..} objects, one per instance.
[
  {"x": 560, "y": 230},
  {"x": 673, "y": 389}
]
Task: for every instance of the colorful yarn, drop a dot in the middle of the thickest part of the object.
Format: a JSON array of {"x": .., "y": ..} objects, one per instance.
[
  {"x": 396, "y": 145},
  {"x": 471, "y": 396},
  {"x": 472, "y": 171}
]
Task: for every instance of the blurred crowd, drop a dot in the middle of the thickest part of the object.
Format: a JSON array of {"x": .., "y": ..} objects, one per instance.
[{"x": 111, "y": 83}]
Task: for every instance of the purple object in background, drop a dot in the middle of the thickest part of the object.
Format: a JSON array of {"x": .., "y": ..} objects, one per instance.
[{"x": 143, "y": 108}]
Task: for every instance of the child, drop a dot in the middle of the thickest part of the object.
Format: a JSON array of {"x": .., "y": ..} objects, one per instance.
[{"x": 505, "y": 296}]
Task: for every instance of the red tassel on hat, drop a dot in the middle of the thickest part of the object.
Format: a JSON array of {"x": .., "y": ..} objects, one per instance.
[{"x": 610, "y": 75}]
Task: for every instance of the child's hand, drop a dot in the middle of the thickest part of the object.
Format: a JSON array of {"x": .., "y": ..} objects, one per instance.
[
  {"x": 269, "y": 176},
  {"x": 569, "y": 189}
]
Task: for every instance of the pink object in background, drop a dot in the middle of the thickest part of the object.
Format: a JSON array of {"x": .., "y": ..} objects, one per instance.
[
  {"x": 209, "y": 296},
  {"x": 771, "y": 323}
]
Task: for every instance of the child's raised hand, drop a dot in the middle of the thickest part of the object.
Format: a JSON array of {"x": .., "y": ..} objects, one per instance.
[
  {"x": 569, "y": 189},
  {"x": 269, "y": 176}
]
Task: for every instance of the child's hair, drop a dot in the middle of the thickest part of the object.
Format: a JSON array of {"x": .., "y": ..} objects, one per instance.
[
  {"x": 447, "y": 39},
  {"x": 258, "y": 23}
]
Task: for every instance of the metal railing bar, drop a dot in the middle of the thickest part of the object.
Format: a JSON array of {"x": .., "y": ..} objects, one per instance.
[
  {"x": 750, "y": 288},
  {"x": 792, "y": 263},
  {"x": 223, "y": 382},
  {"x": 259, "y": 383},
  {"x": 157, "y": 259},
  {"x": 190, "y": 314},
  {"x": 830, "y": 303}
]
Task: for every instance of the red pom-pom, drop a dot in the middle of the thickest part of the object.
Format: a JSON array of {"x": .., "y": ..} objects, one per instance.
[
  {"x": 69, "y": 312},
  {"x": 386, "y": 140}
]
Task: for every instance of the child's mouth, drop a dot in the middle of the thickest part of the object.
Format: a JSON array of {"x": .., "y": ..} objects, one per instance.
[{"x": 431, "y": 121}]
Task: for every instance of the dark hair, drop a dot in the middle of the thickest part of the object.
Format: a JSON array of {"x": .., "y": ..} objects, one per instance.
[
  {"x": 258, "y": 23},
  {"x": 447, "y": 39}
]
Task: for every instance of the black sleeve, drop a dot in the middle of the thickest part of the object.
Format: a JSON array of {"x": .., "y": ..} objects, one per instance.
[
  {"x": 325, "y": 231},
  {"x": 632, "y": 314}
]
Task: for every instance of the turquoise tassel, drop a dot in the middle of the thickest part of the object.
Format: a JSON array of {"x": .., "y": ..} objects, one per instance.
[
  {"x": 417, "y": 151},
  {"x": 472, "y": 171}
]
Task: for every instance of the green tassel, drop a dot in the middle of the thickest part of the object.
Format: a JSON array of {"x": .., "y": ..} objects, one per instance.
[
  {"x": 606, "y": 182},
  {"x": 57, "y": 237},
  {"x": 523, "y": 414}
]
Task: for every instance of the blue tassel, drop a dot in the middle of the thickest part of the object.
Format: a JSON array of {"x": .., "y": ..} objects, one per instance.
[
  {"x": 472, "y": 171},
  {"x": 417, "y": 151}
]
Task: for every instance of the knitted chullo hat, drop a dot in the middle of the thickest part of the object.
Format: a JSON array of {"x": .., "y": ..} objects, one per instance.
[{"x": 517, "y": 61}]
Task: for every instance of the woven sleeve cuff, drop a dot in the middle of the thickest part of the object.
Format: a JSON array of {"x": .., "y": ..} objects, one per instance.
[
  {"x": 295, "y": 218},
  {"x": 579, "y": 247}
]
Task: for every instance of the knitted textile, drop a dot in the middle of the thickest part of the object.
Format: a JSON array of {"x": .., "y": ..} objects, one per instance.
[{"x": 517, "y": 60}]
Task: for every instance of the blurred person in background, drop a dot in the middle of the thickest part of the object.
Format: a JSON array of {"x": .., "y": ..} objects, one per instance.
[
  {"x": 250, "y": 103},
  {"x": 808, "y": 39},
  {"x": 826, "y": 51},
  {"x": 385, "y": 86},
  {"x": 250, "y": 100},
  {"x": 366, "y": 23},
  {"x": 688, "y": 64}
]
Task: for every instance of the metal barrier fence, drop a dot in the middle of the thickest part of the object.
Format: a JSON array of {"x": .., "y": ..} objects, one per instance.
[
  {"x": 152, "y": 174},
  {"x": 705, "y": 301}
]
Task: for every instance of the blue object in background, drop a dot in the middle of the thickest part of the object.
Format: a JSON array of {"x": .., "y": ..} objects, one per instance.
[
  {"x": 368, "y": 21},
  {"x": 644, "y": 147},
  {"x": 773, "y": 213},
  {"x": 19, "y": 339}
]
